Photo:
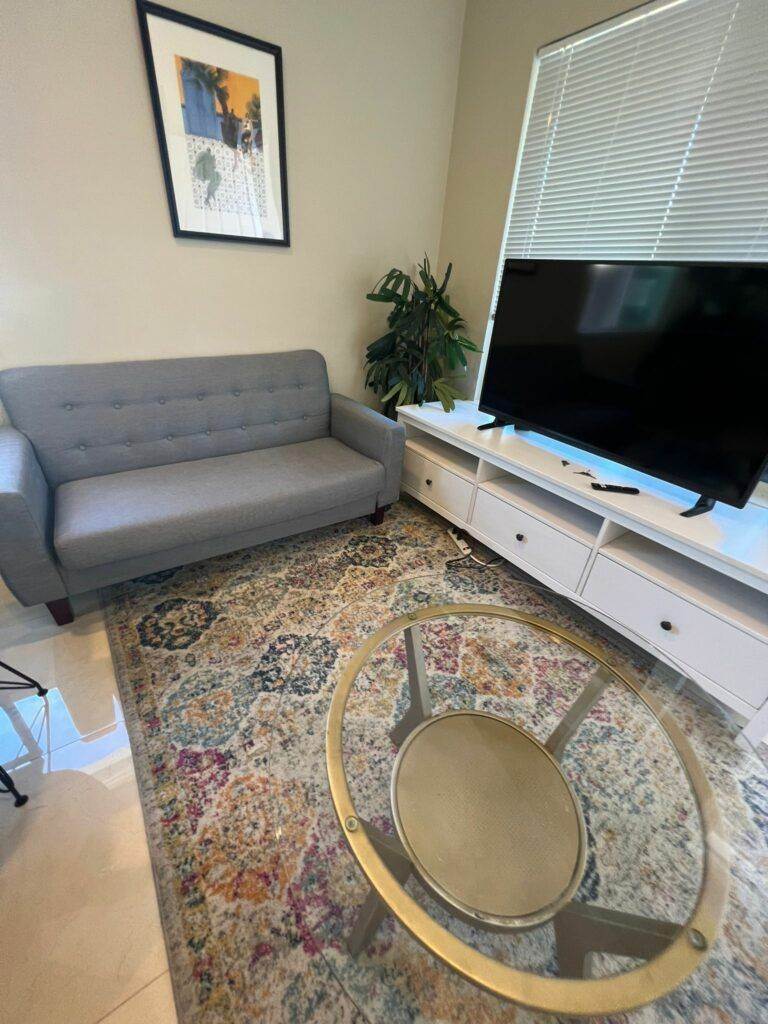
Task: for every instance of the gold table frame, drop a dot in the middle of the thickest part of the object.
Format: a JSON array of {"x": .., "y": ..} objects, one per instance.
[{"x": 680, "y": 948}]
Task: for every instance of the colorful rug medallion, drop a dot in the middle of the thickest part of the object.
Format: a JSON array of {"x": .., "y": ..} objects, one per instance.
[{"x": 226, "y": 670}]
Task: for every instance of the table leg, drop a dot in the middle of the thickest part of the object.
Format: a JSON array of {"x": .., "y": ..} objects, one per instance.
[
  {"x": 374, "y": 910},
  {"x": 420, "y": 707},
  {"x": 21, "y": 682},
  {"x": 28, "y": 683},
  {"x": 578, "y": 711},
  {"x": 7, "y": 786},
  {"x": 582, "y": 929}
]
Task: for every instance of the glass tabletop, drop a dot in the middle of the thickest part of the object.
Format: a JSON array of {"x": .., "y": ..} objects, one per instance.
[{"x": 468, "y": 761}]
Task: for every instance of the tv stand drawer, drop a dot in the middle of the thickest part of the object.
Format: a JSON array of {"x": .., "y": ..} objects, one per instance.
[
  {"x": 529, "y": 540},
  {"x": 446, "y": 489},
  {"x": 696, "y": 637}
]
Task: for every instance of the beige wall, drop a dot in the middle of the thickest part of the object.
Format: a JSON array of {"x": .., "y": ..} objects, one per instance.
[
  {"x": 89, "y": 269},
  {"x": 500, "y": 40}
]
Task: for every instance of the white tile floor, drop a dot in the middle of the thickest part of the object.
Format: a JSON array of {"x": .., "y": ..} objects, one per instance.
[{"x": 81, "y": 935}]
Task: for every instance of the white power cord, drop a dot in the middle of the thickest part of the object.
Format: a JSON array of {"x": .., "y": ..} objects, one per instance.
[{"x": 466, "y": 551}]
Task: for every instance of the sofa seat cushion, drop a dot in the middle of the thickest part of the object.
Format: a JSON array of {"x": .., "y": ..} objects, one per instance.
[{"x": 123, "y": 515}]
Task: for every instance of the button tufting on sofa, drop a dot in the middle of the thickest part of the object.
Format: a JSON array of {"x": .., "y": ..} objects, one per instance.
[{"x": 69, "y": 407}]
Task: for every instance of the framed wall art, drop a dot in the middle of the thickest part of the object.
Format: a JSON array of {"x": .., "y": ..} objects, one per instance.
[{"x": 217, "y": 97}]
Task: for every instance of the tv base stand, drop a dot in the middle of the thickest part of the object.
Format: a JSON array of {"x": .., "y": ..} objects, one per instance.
[
  {"x": 704, "y": 504},
  {"x": 498, "y": 422}
]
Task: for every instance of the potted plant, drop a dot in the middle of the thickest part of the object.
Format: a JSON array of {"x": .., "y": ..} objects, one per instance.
[{"x": 424, "y": 344}]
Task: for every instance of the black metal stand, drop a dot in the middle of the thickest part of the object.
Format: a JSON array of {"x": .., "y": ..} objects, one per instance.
[
  {"x": 22, "y": 682},
  {"x": 7, "y": 786},
  {"x": 495, "y": 422},
  {"x": 27, "y": 682},
  {"x": 702, "y": 505}
]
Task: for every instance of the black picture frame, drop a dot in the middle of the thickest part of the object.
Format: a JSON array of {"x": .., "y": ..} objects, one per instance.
[{"x": 145, "y": 8}]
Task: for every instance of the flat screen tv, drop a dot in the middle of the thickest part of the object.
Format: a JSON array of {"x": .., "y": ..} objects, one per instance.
[{"x": 660, "y": 366}]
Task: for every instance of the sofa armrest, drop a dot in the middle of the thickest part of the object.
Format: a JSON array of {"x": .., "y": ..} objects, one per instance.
[
  {"x": 374, "y": 435},
  {"x": 26, "y": 512}
]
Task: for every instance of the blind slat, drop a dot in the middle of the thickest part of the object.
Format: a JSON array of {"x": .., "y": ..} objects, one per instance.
[
  {"x": 636, "y": 175},
  {"x": 692, "y": 17},
  {"x": 733, "y": 102}
]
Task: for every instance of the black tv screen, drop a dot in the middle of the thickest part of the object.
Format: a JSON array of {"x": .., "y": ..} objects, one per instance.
[{"x": 660, "y": 366}]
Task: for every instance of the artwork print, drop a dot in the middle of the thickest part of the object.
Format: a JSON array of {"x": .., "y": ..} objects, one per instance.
[{"x": 217, "y": 98}]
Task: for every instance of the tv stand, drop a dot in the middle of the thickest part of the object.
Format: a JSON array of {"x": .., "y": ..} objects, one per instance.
[
  {"x": 693, "y": 590},
  {"x": 495, "y": 422},
  {"x": 704, "y": 504}
]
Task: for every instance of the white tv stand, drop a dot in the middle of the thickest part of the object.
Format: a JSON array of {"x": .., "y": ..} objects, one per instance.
[{"x": 695, "y": 590}]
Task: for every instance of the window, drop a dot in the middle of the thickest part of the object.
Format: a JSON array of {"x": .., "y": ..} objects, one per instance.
[{"x": 646, "y": 137}]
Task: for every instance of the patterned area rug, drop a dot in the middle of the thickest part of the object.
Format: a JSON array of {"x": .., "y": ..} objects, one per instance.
[{"x": 226, "y": 670}]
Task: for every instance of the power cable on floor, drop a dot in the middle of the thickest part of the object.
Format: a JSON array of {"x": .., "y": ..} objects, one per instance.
[{"x": 460, "y": 540}]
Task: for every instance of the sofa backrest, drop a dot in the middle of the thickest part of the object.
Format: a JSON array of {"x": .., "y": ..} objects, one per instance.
[{"x": 89, "y": 420}]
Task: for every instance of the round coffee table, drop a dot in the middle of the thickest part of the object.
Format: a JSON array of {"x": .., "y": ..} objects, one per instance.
[{"x": 515, "y": 793}]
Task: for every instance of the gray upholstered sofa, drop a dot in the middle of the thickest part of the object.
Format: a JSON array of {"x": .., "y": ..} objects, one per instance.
[{"x": 114, "y": 470}]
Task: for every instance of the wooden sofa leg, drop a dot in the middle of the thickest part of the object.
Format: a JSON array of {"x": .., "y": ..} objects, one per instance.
[
  {"x": 61, "y": 610},
  {"x": 378, "y": 517}
]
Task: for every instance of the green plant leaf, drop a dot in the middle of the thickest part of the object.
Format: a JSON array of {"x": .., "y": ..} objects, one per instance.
[
  {"x": 381, "y": 347},
  {"x": 446, "y": 279},
  {"x": 444, "y": 396},
  {"x": 392, "y": 392}
]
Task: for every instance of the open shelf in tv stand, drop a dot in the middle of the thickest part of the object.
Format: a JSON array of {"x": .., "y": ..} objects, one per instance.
[{"x": 635, "y": 556}]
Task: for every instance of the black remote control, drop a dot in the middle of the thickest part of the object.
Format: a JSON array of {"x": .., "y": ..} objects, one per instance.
[{"x": 615, "y": 489}]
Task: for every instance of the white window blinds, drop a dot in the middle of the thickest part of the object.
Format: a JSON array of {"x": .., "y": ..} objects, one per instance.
[{"x": 647, "y": 138}]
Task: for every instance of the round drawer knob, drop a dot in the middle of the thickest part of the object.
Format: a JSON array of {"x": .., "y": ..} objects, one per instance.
[
  {"x": 428, "y": 483},
  {"x": 520, "y": 537},
  {"x": 666, "y": 625}
]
